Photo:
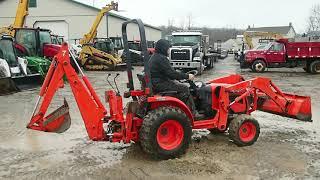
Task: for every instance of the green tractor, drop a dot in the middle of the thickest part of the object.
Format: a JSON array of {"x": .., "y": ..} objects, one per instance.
[{"x": 35, "y": 45}]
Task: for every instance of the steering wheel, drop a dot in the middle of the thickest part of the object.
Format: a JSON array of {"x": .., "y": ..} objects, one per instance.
[{"x": 193, "y": 72}]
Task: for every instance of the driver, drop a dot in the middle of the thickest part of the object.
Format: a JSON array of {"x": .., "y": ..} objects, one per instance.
[{"x": 163, "y": 75}]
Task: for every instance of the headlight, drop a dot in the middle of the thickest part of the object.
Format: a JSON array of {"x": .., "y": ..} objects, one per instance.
[{"x": 197, "y": 58}]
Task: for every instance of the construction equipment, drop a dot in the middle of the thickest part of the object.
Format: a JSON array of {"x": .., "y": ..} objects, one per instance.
[
  {"x": 92, "y": 58},
  {"x": 21, "y": 14},
  {"x": 15, "y": 74},
  {"x": 248, "y": 35},
  {"x": 161, "y": 123}
]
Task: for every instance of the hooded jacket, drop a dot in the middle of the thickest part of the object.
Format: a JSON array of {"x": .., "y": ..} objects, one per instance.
[{"x": 160, "y": 67}]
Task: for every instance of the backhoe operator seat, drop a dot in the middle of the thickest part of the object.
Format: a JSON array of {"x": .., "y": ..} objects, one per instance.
[{"x": 142, "y": 80}]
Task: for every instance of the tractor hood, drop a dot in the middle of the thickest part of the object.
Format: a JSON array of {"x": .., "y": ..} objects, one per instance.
[
  {"x": 50, "y": 50},
  {"x": 254, "y": 52}
]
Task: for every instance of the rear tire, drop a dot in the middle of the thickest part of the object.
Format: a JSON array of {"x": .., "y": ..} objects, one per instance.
[
  {"x": 165, "y": 133},
  {"x": 259, "y": 66},
  {"x": 315, "y": 67},
  {"x": 244, "y": 130}
]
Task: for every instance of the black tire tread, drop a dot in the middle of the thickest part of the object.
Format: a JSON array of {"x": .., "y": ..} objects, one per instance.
[
  {"x": 234, "y": 129},
  {"x": 148, "y": 141},
  {"x": 256, "y": 62}
]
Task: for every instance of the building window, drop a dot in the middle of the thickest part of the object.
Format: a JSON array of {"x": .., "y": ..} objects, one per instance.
[{"x": 32, "y": 3}]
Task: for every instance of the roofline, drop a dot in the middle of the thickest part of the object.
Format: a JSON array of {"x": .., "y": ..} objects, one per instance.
[
  {"x": 251, "y": 29},
  {"x": 113, "y": 14}
]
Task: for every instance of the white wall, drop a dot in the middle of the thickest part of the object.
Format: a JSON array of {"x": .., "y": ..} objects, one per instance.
[
  {"x": 291, "y": 34},
  {"x": 115, "y": 25},
  {"x": 78, "y": 17}
]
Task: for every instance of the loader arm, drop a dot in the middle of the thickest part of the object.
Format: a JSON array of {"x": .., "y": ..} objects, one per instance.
[
  {"x": 92, "y": 110},
  {"x": 87, "y": 38},
  {"x": 21, "y": 14},
  {"x": 269, "y": 98}
]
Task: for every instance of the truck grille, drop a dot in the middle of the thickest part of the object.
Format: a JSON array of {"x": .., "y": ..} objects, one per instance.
[{"x": 180, "y": 54}]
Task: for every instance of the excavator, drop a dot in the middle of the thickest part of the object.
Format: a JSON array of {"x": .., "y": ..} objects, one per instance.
[
  {"x": 248, "y": 35},
  {"x": 159, "y": 122},
  {"x": 35, "y": 65},
  {"x": 92, "y": 58}
]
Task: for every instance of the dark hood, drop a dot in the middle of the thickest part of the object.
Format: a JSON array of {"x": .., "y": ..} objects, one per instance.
[{"x": 162, "y": 47}]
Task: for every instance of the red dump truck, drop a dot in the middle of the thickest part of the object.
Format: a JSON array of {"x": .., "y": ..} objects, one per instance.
[{"x": 283, "y": 53}]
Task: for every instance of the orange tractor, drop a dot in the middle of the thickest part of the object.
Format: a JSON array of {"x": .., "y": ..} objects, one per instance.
[{"x": 161, "y": 123}]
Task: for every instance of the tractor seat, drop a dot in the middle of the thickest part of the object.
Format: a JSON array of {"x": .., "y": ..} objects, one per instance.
[{"x": 141, "y": 77}]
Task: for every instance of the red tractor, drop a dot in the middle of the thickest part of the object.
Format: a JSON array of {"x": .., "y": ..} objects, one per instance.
[
  {"x": 35, "y": 42},
  {"x": 161, "y": 123}
]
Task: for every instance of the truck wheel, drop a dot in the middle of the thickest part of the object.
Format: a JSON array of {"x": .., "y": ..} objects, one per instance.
[
  {"x": 211, "y": 63},
  {"x": 259, "y": 66},
  {"x": 244, "y": 130},
  {"x": 315, "y": 67},
  {"x": 165, "y": 133}
]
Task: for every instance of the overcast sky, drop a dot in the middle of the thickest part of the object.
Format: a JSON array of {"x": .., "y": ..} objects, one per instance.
[{"x": 217, "y": 13}]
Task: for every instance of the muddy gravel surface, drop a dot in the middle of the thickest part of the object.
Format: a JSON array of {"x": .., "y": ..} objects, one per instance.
[{"x": 286, "y": 148}]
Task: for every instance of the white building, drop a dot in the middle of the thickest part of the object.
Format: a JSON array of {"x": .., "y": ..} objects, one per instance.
[
  {"x": 72, "y": 19},
  {"x": 285, "y": 31}
]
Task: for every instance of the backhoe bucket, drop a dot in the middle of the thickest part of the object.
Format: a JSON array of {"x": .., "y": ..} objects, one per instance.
[
  {"x": 58, "y": 121},
  {"x": 298, "y": 107},
  {"x": 7, "y": 86}
]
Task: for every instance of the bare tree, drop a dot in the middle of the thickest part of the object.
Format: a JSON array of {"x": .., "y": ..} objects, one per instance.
[{"x": 314, "y": 19}]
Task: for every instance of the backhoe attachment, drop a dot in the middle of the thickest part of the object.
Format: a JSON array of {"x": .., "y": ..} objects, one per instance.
[{"x": 91, "y": 108}]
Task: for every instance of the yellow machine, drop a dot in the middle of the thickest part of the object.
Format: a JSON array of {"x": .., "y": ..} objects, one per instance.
[
  {"x": 248, "y": 35},
  {"x": 22, "y": 13},
  {"x": 92, "y": 58}
]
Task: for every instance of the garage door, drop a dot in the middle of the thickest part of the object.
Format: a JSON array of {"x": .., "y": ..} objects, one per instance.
[{"x": 60, "y": 28}]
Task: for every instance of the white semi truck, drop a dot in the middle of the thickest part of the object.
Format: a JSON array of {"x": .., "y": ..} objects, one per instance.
[{"x": 190, "y": 51}]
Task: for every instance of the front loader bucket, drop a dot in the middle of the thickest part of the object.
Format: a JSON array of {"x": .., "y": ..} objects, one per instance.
[
  {"x": 7, "y": 86},
  {"x": 58, "y": 121},
  {"x": 28, "y": 82},
  {"x": 298, "y": 107}
]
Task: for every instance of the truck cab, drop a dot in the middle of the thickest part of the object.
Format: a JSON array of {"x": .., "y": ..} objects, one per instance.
[{"x": 189, "y": 50}]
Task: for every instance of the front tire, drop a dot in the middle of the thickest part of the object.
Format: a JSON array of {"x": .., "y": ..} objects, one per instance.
[
  {"x": 244, "y": 130},
  {"x": 259, "y": 66},
  {"x": 165, "y": 133}
]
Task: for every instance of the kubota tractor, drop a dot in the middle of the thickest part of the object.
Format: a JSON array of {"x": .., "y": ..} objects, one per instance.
[{"x": 161, "y": 123}]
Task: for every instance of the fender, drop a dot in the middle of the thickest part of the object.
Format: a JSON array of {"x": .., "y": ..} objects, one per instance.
[{"x": 158, "y": 101}]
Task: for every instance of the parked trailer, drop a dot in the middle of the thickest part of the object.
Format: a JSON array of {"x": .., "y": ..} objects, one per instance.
[{"x": 283, "y": 53}]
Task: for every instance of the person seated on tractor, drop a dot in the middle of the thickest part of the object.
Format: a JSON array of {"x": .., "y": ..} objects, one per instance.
[{"x": 163, "y": 76}]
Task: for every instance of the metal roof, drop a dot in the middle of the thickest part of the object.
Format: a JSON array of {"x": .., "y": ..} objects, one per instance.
[
  {"x": 276, "y": 29},
  {"x": 112, "y": 14},
  {"x": 188, "y": 33}
]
